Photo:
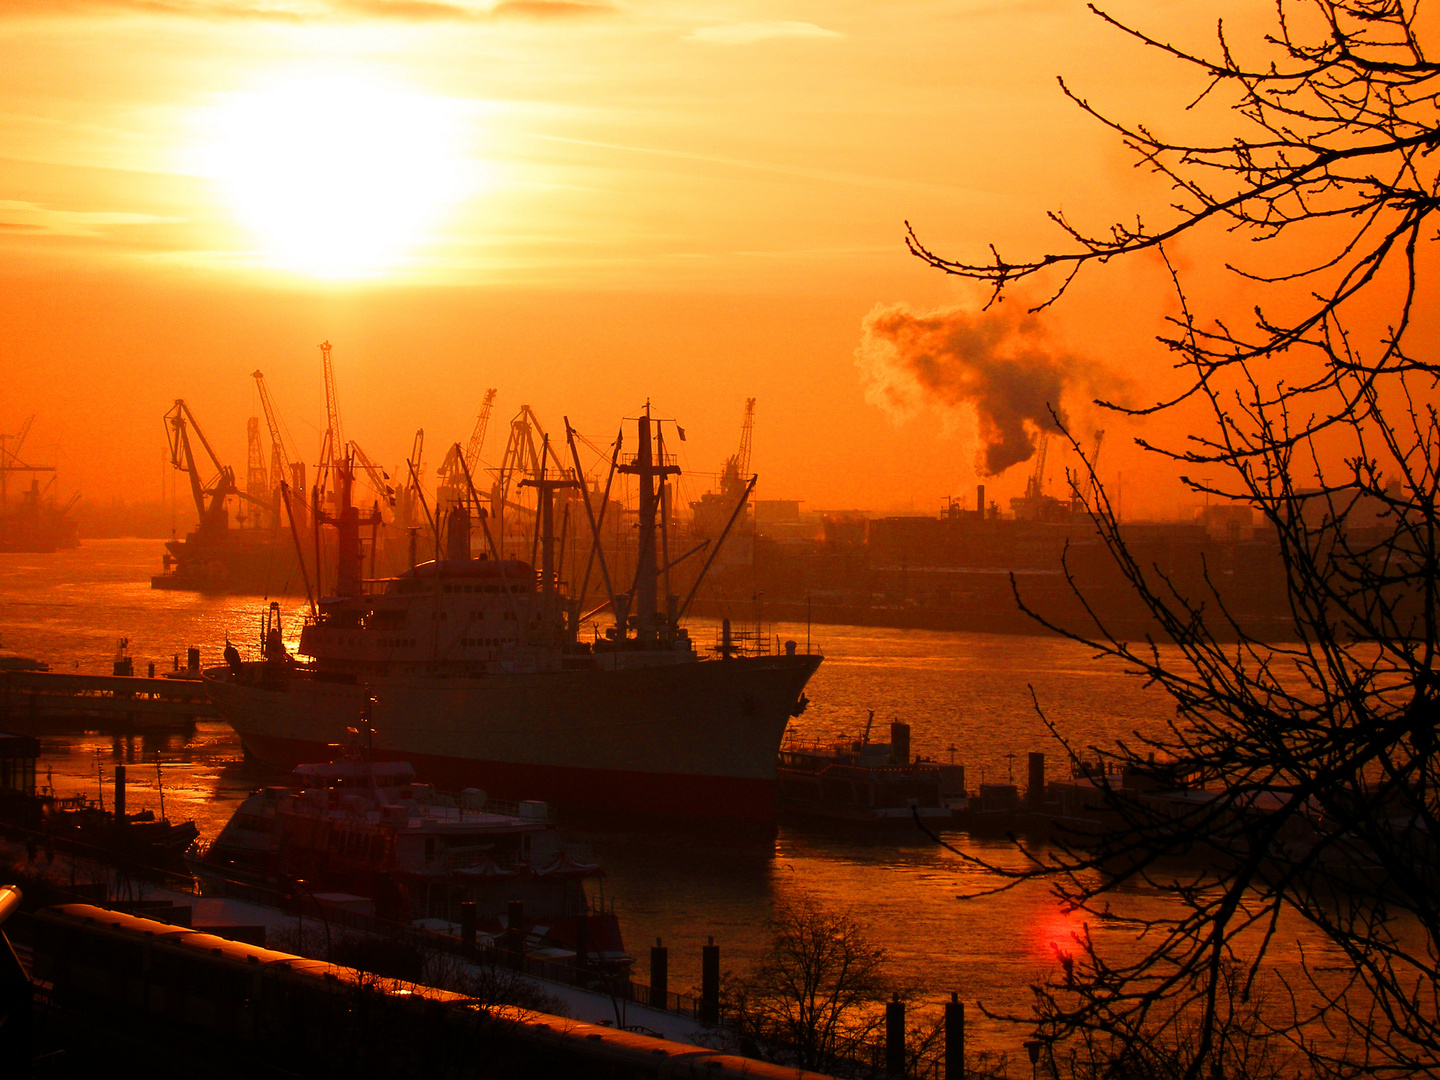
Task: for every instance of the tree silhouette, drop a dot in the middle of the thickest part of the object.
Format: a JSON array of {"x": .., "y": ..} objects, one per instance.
[
  {"x": 817, "y": 993},
  {"x": 1309, "y": 759}
]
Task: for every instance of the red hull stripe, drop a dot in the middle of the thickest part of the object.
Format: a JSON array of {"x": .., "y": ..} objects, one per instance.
[{"x": 657, "y": 795}]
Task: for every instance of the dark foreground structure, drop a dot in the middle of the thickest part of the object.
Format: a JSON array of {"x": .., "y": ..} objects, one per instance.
[{"x": 138, "y": 994}]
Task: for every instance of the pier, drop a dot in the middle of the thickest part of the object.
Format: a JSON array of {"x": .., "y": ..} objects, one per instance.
[{"x": 33, "y": 702}]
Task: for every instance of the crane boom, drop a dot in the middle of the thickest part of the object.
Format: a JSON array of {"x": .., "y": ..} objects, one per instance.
[
  {"x": 1092, "y": 482},
  {"x": 256, "y": 478},
  {"x": 737, "y": 465},
  {"x": 378, "y": 479},
  {"x": 747, "y": 427},
  {"x": 21, "y": 435},
  {"x": 332, "y": 409},
  {"x": 521, "y": 455},
  {"x": 179, "y": 422},
  {"x": 477, "y": 437},
  {"x": 1036, "y": 487},
  {"x": 279, "y": 459}
]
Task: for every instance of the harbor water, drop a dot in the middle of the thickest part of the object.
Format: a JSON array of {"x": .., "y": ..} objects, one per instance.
[{"x": 975, "y": 699}]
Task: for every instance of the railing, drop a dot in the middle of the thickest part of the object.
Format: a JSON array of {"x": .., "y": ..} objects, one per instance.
[{"x": 744, "y": 642}]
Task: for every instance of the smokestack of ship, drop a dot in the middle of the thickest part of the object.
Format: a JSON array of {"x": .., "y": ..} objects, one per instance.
[
  {"x": 900, "y": 742},
  {"x": 980, "y": 501},
  {"x": 457, "y": 535}
]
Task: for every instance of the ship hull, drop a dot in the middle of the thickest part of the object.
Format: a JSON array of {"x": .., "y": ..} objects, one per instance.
[
  {"x": 694, "y": 741},
  {"x": 243, "y": 562}
]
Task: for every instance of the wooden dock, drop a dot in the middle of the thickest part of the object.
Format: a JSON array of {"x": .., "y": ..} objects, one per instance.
[{"x": 34, "y": 702}]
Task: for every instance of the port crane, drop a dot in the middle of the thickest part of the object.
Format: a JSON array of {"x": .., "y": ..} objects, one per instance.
[
  {"x": 209, "y": 497},
  {"x": 1087, "y": 487},
  {"x": 477, "y": 437},
  {"x": 279, "y": 459},
  {"x": 282, "y": 469},
  {"x": 1035, "y": 486},
  {"x": 335, "y": 452},
  {"x": 334, "y": 438},
  {"x": 257, "y": 478},
  {"x": 736, "y": 470},
  {"x": 10, "y": 459},
  {"x": 454, "y": 477},
  {"x": 523, "y": 457}
]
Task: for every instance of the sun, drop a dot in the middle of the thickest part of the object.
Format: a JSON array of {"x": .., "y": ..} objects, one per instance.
[{"x": 336, "y": 173}]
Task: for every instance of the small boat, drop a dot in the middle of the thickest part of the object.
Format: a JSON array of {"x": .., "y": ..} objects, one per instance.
[
  {"x": 138, "y": 836},
  {"x": 80, "y": 826},
  {"x": 363, "y": 837},
  {"x": 857, "y": 780}
]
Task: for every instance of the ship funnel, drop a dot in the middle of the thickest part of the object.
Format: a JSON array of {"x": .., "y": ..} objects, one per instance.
[
  {"x": 457, "y": 535},
  {"x": 1035, "y": 791},
  {"x": 980, "y": 501},
  {"x": 900, "y": 742}
]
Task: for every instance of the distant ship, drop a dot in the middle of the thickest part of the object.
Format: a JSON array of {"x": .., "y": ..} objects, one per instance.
[
  {"x": 34, "y": 521},
  {"x": 230, "y": 561},
  {"x": 479, "y": 676}
]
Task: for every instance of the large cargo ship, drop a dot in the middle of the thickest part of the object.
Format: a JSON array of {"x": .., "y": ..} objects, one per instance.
[{"x": 479, "y": 676}]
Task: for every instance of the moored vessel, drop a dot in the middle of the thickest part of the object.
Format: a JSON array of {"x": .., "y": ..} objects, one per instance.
[
  {"x": 864, "y": 782},
  {"x": 482, "y": 678},
  {"x": 365, "y": 837}
]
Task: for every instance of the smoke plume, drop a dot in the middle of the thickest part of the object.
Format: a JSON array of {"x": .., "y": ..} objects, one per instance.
[{"x": 998, "y": 362}]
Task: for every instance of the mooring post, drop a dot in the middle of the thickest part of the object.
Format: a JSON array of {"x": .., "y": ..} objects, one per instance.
[
  {"x": 467, "y": 926},
  {"x": 710, "y": 983},
  {"x": 895, "y": 1036},
  {"x": 659, "y": 976},
  {"x": 119, "y": 795},
  {"x": 954, "y": 1038}
]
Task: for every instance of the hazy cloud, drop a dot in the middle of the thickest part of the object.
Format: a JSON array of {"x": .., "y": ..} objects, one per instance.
[
  {"x": 314, "y": 10},
  {"x": 999, "y": 363},
  {"x": 745, "y": 33},
  {"x": 33, "y": 217},
  {"x": 548, "y": 9}
]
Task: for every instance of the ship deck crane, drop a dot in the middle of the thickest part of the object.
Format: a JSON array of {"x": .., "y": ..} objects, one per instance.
[
  {"x": 409, "y": 496},
  {"x": 378, "y": 479}
]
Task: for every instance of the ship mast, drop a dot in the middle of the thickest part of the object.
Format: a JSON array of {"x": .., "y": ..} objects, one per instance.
[
  {"x": 545, "y": 488},
  {"x": 350, "y": 556},
  {"x": 647, "y": 469}
]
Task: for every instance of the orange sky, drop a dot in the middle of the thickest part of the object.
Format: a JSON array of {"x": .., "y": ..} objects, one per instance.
[{"x": 583, "y": 205}]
